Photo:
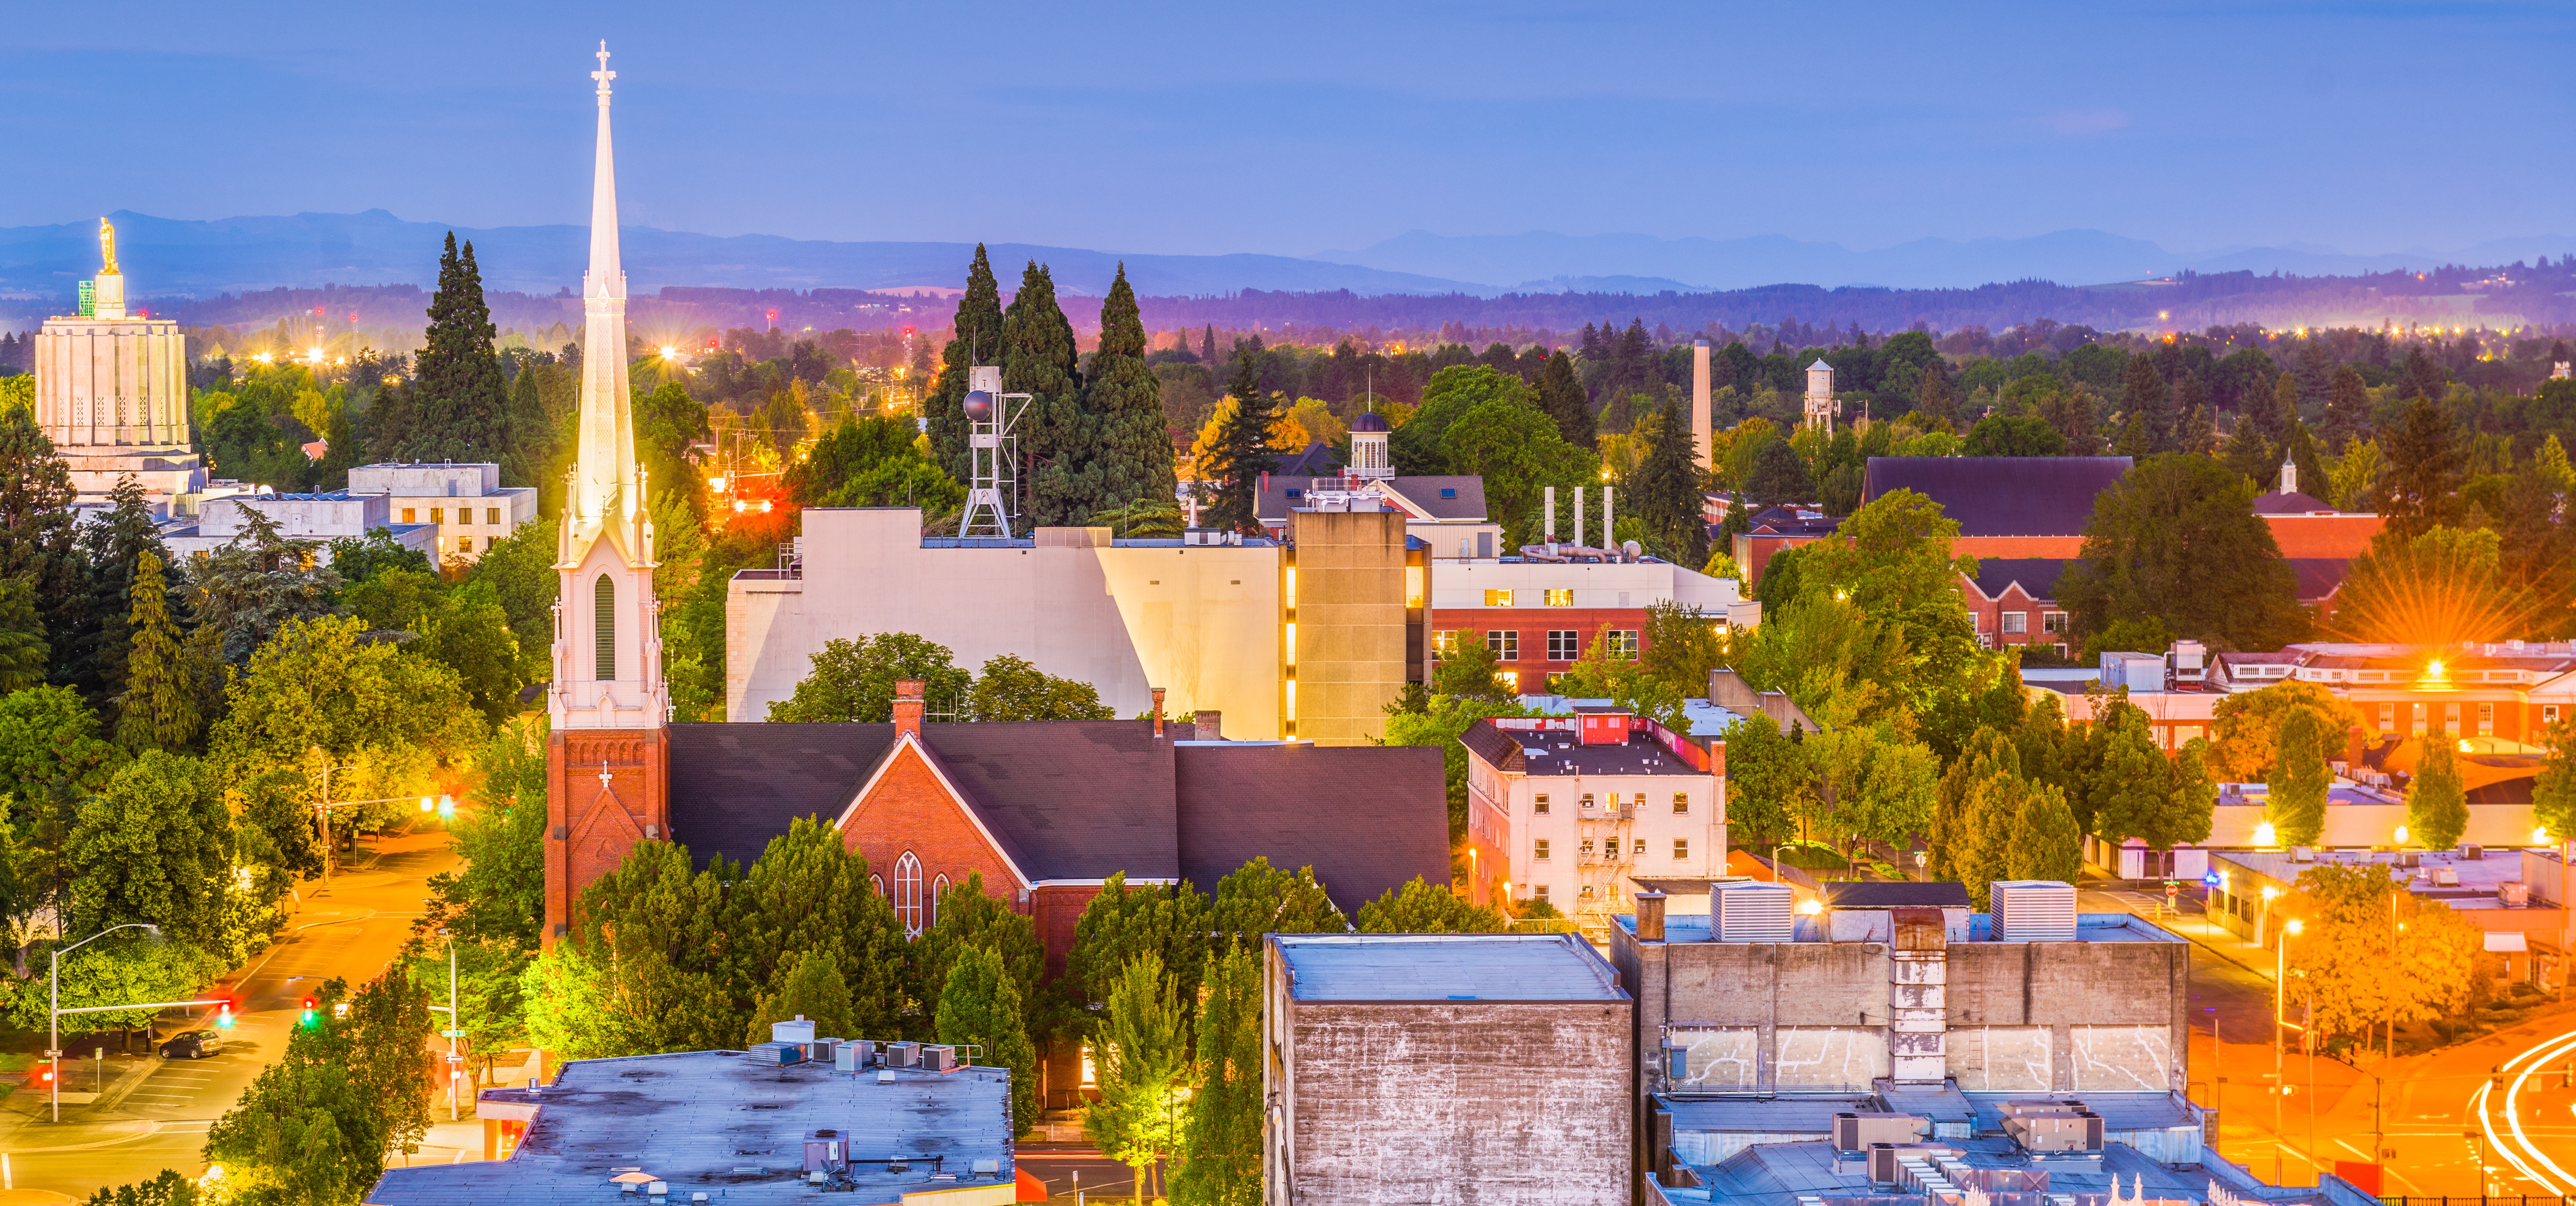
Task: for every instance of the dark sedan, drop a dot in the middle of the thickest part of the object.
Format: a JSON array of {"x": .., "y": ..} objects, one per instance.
[{"x": 192, "y": 1044}]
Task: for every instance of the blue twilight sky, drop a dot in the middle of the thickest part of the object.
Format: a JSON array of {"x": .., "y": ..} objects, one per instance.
[{"x": 1300, "y": 128}]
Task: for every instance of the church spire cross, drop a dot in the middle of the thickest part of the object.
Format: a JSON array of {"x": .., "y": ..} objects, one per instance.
[{"x": 603, "y": 75}]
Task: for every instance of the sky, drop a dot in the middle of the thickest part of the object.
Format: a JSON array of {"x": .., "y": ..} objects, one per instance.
[{"x": 1296, "y": 129}]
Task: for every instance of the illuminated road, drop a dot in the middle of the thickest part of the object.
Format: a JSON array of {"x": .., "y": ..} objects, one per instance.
[{"x": 2524, "y": 1120}]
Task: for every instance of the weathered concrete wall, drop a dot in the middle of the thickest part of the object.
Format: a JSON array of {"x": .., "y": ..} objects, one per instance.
[
  {"x": 2002, "y": 1059},
  {"x": 1465, "y": 1102}
]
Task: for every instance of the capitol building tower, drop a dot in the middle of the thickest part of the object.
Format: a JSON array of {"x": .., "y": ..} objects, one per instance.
[{"x": 112, "y": 394}]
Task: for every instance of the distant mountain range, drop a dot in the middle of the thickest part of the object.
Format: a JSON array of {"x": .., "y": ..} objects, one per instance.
[
  {"x": 2066, "y": 257},
  {"x": 171, "y": 258}
]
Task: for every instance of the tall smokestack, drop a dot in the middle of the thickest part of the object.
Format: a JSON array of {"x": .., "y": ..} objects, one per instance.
[
  {"x": 1549, "y": 494},
  {"x": 1701, "y": 433},
  {"x": 1578, "y": 516},
  {"x": 1609, "y": 534}
]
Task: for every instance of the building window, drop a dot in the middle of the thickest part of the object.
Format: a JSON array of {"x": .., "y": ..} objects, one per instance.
[
  {"x": 2548, "y": 712},
  {"x": 1681, "y": 849},
  {"x": 1588, "y": 801},
  {"x": 1498, "y": 598},
  {"x": 492, "y": 516},
  {"x": 603, "y": 629},
  {"x": 1586, "y": 847},
  {"x": 2486, "y": 720},
  {"x": 1539, "y": 851},
  {"x": 1564, "y": 644},
  {"x": 1485, "y": 547},
  {"x": 907, "y": 894},
  {"x": 938, "y": 888},
  {"x": 2451, "y": 719},
  {"x": 2016, "y": 623},
  {"x": 876, "y": 884},
  {"x": 1444, "y": 644},
  {"x": 489, "y": 541},
  {"x": 1538, "y": 804},
  {"x": 1090, "y": 1070},
  {"x": 465, "y": 515},
  {"x": 1538, "y": 891},
  {"x": 1586, "y": 893},
  {"x": 438, "y": 515},
  {"x": 1506, "y": 645},
  {"x": 1639, "y": 848},
  {"x": 2052, "y": 621},
  {"x": 408, "y": 515},
  {"x": 2418, "y": 711},
  {"x": 1622, "y": 643},
  {"x": 1555, "y": 682},
  {"x": 2387, "y": 718},
  {"x": 1559, "y": 598},
  {"x": 465, "y": 544},
  {"x": 1681, "y": 803}
]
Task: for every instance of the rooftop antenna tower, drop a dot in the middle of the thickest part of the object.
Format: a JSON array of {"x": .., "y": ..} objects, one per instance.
[{"x": 992, "y": 419}]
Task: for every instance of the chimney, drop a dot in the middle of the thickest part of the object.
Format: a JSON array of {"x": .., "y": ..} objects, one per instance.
[
  {"x": 1650, "y": 916},
  {"x": 1158, "y": 713},
  {"x": 1702, "y": 434},
  {"x": 1549, "y": 494},
  {"x": 908, "y": 706},
  {"x": 1609, "y": 538},
  {"x": 1211, "y": 724}
]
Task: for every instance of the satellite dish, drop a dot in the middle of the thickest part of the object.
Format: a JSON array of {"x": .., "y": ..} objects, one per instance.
[{"x": 979, "y": 405}]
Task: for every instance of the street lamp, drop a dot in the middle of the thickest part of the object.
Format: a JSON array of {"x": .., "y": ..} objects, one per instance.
[
  {"x": 2280, "y": 1082},
  {"x": 2400, "y": 835},
  {"x": 54, "y": 1006}
]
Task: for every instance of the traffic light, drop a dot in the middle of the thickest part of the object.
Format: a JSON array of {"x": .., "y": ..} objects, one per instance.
[
  {"x": 223, "y": 1015},
  {"x": 308, "y": 1012}
]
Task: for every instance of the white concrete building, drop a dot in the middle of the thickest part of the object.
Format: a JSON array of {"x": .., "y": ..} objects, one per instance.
[
  {"x": 112, "y": 394},
  {"x": 324, "y": 516},
  {"x": 1205, "y": 622},
  {"x": 1569, "y": 809},
  {"x": 465, "y": 506}
]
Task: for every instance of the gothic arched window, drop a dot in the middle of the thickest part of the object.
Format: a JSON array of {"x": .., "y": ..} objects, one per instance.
[
  {"x": 876, "y": 884},
  {"x": 938, "y": 888},
  {"x": 907, "y": 894},
  {"x": 603, "y": 629}
]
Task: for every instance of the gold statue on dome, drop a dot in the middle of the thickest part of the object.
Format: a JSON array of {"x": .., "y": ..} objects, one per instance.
[{"x": 107, "y": 248}]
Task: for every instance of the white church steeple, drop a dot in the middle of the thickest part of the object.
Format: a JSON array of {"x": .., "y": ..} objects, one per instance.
[{"x": 608, "y": 645}]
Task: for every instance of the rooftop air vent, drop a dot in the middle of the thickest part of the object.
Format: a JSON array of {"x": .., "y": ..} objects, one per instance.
[
  {"x": 1752, "y": 912},
  {"x": 2031, "y": 910}
]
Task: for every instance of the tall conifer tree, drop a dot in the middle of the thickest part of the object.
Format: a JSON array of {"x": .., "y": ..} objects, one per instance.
[
  {"x": 159, "y": 710},
  {"x": 460, "y": 403},
  {"x": 1560, "y": 394},
  {"x": 1242, "y": 453},
  {"x": 2144, "y": 398},
  {"x": 112, "y": 546},
  {"x": 978, "y": 340},
  {"x": 1935, "y": 400},
  {"x": 38, "y": 545},
  {"x": 1123, "y": 398},
  {"x": 531, "y": 449},
  {"x": 1039, "y": 359},
  {"x": 1668, "y": 488}
]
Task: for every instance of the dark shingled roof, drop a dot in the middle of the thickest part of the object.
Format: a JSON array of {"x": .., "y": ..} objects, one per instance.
[
  {"x": 1316, "y": 461},
  {"x": 2001, "y": 495},
  {"x": 2318, "y": 576},
  {"x": 1498, "y": 748},
  {"x": 2294, "y": 503},
  {"x": 1466, "y": 501},
  {"x": 2037, "y": 575},
  {"x": 1948, "y": 894},
  {"x": 1087, "y": 799},
  {"x": 1066, "y": 799},
  {"x": 1366, "y": 818}
]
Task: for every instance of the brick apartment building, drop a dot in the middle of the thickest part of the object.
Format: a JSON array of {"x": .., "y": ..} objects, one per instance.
[{"x": 1540, "y": 616}]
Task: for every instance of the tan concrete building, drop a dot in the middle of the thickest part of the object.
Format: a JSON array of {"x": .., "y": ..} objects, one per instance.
[
  {"x": 112, "y": 394},
  {"x": 465, "y": 506},
  {"x": 1216, "y": 625}
]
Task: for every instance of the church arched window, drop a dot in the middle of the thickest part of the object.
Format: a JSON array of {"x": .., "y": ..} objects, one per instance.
[
  {"x": 603, "y": 629},
  {"x": 938, "y": 888},
  {"x": 876, "y": 884},
  {"x": 907, "y": 894}
]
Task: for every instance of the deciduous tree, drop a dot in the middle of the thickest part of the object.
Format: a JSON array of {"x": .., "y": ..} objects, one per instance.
[
  {"x": 980, "y": 1005},
  {"x": 853, "y": 680},
  {"x": 1221, "y": 1149},
  {"x": 2177, "y": 539},
  {"x": 1421, "y": 908},
  {"x": 2300, "y": 779},
  {"x": 2437, "y": 806},
  {"x": 1143, "y": 1063}
]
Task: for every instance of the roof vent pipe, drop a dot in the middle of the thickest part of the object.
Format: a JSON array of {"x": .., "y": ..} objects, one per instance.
[
  {"x": 1650, "y": 916},
  {"x": 1158, "y": 713}
]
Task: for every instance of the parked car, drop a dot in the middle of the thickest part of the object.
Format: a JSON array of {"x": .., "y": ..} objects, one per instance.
[{"x": 192, "y": 1044}]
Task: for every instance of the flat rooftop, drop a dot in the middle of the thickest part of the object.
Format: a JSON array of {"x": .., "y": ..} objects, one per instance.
[
  {"x": 2479, "y": 877},
  {"x": 719, "y": 1123},
  {"x": 1445, "y": 967},
  {"x": 2089, "y": 927},
  {"x": 1780, "y": 1174}
]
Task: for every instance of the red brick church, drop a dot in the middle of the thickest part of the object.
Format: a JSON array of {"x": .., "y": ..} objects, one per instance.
[{"x": 1044, "y": 810}]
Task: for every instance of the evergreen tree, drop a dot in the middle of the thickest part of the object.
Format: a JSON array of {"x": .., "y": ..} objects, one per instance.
[
  {"x": 2347, "y": 414},
  {"x": 2248, "y": 456},
  {"x": 980, "y": 1005},
  {"x": 1207, "y": 346},
  {"x": 1935, "y": 400},
  {"x": 2198, "y": 437},
  {"x": 2437, "y": 807},
  {"x": 1667, "y": 482},
  {"x": 24, "y": 651},
  {"x": 2299, "y": 780},
  {"x": 111, "y": 545},
  {"x": 2420, "y": 489},
  {"x": 2260, "y": 404},
  {"x": 39, "y": 547},
  {"x": 2300, "y": 450},
  {"x": 2191, "y": 410},
  {"x": 2144, "y": 397},
  {"x": 815, "y": 992},
  {"x": 1039, "y": 359},
  {"x": 977, "y": 340},
  {"x": 528, "y": 459},
  {"x": 1142, "y": 1062},
  {"x": 1124, "y": 400},
  {"x": 2047, "y": 843},
  {"x": 460, "y": 403},
  {"x": 2137, "y": 437},
  {"x": 158, "y": 708},
  {"x": 1242, "y": 453},
  {"x": 1560, "y": 394},
  {"x": 2421, "y": 377},
  {"x": 1221, "y": 1140}
]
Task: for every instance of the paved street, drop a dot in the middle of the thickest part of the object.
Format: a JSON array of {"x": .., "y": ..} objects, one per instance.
[
  {"x": 152, "y": 1113},
  {"x": 2433, "y": 1111}
]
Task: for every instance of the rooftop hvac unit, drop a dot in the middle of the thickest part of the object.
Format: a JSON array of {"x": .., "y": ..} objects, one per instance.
[
  {"x": 2303, "y": 854},
  {"x": 903, "y": 1055},
  {"x": 1855, "y": 1131},
  {"x": 2031, "y": 910},
  {"x": 778, "y": 1054},
  {"x": 2513, "y": 894},
  {"x": 1752, "y": 912},
  {"x": 850, "y": 1056},
  {"x": 939, "y": 1058},
  {"x": 798, "y": 1031},
  {"x": 2066, "y": 1131},
  {"x": 820, "y": 1050},
  {"x": 2446, "y": 877},
  {"x": 2410, "y": 858},
  {"x": 2471, "y": 853},
  {"x": 1887, "y": 1160}
]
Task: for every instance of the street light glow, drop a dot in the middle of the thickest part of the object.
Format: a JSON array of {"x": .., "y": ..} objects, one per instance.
[{"x": 2292, "y": 927}]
